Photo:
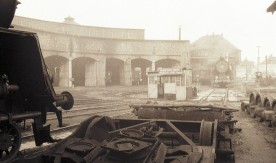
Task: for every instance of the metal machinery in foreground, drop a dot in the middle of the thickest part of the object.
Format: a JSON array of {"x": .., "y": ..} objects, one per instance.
[
  {"x": 261, "y": 105},
  {"x": 222, "y": 73},
  {"x": 102, "y": 139},
  {"x": 171, "y": 83},
  {"x": 26, "y": 91}
]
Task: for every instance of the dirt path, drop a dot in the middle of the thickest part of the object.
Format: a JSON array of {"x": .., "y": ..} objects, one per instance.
[{"x": 255, "y": 143}]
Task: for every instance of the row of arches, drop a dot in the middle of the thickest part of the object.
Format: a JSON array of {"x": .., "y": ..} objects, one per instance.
[{"x": 85, "y": 71}]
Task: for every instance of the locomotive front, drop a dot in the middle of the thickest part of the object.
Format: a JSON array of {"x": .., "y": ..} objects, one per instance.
[
  {"x": 222, "y": 73},
  {"x": 26, "y": 90}
]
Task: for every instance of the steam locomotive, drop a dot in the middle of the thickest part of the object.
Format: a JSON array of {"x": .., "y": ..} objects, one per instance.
[
  {"x": 26, "y": 90},
  {"x": 222, "y": 73}
]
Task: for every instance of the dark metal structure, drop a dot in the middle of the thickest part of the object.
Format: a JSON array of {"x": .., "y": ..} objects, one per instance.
[
  {"x": 200, "y": 133},
  {"x": 102, "y": 139},
  {"x": 222, "y": 73},
  {"x": 26, "y": 90}
]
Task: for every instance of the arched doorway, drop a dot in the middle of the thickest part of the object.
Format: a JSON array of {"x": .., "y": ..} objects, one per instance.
[
  {"x": 84, "y": 71},
  {"x": 55, "y": 64},
  {"x": 114, "y": 71},
  {"x": 167, "y": 63},
  {"x": 142, "y": 65}
]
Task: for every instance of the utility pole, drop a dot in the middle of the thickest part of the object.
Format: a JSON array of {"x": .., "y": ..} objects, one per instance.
[
  {"x": 266, "y": 70},
  {"x": 246, "y": 73},
  {"x": 179, "y": 33},
  {"x": 258, "y": 59}
]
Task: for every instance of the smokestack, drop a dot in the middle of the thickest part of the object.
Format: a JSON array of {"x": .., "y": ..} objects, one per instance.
[{"x": 179, "y": 33}]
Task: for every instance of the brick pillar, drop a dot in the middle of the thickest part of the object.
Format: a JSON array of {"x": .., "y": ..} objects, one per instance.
[
  {"x": 64, "y": 75},
  {"x": 70, "y": 84},
  {"x": 127, "y": 73},
  {"x": 100, "y": 71},
  {"x": 153, "y": 66},
  {"x": 90, "y": 74}
]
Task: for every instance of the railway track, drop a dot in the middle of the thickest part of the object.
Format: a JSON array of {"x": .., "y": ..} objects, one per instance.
[
  {"x": 71, "y": 127},
  {"x": 90, "y": 111},
  {"x": 85, "y": 108},
  {"x": 215, "y": 95}
]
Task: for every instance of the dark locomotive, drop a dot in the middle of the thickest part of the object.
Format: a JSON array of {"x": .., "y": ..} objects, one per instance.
[
  {"x": 222, "y": 73},
  {"x": 218, "y": 74},
  {"x": 26, "y": 90}
]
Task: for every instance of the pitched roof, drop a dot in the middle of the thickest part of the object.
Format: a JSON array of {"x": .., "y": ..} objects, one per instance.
[
  {"x": 213, "y": 42},
  {"x": 272, "y": 7}
]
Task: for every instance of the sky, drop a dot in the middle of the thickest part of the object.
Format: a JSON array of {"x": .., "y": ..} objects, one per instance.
[{"x": 245, "y": 23}]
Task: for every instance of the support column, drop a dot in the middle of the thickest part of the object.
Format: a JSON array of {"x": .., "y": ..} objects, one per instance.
[
  {"x": 144, "y": 76},
  {"x": 90, "y": 74},
  {"x": 127, "y": 80},
  {"x": 100, "y": 66},
  {"x": 153, "y": 66},
  {"x": 63, "y": 75},
  {"x": 70, "y": 79}
]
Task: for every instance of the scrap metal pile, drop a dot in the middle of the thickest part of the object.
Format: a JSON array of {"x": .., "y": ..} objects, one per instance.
[
  {"x": 102, "y": 139},
  {"x": 261, "y": 105}
]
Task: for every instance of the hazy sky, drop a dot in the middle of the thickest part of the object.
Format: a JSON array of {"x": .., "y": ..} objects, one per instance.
[{"x": 245, "y": 23}]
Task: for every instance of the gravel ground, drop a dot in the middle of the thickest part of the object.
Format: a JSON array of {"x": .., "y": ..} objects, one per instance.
[{"x": 256, "y": 142}]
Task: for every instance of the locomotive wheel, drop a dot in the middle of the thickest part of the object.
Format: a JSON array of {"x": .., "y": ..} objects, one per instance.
[
  {"x": 206, "y": 132},
  {"x": 10, "y": 142}
]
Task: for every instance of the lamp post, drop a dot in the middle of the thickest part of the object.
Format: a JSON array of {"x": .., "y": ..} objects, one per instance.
[{"x": 266, "y": 69}]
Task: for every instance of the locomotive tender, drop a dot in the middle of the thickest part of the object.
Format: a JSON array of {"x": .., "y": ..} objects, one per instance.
[{"x": 26, "y": 90}]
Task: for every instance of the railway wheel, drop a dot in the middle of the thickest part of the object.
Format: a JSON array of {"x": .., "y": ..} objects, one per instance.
[
  {"x": 206, "y": 132},
  {"x": 10, "y": 142}
]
